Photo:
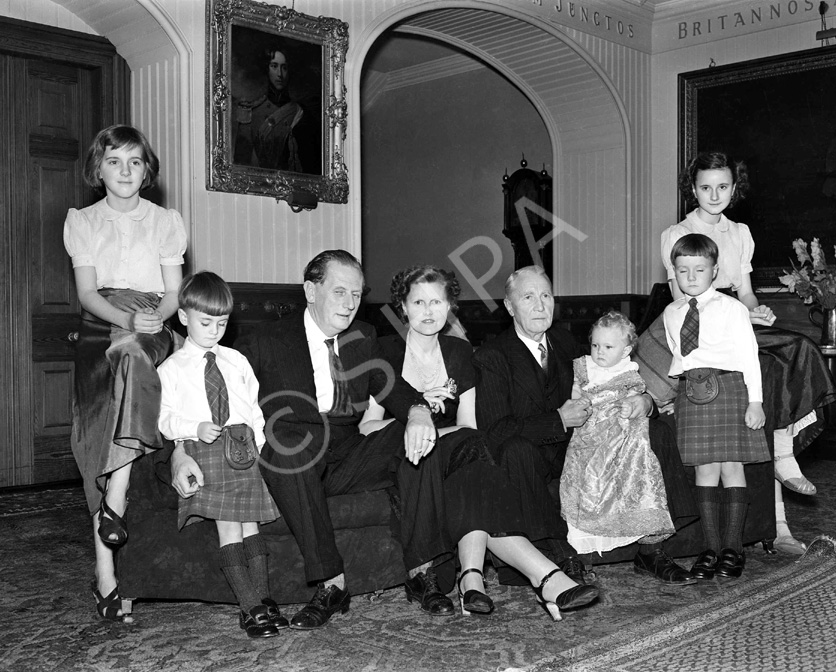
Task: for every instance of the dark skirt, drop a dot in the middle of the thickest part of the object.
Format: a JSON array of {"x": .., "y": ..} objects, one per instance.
[
  {"x": 236, "y": 495},
  {"x": 478, "y": 493},
  {"x": 717, "y": 432},
  {"x": 116, "y": 404}
]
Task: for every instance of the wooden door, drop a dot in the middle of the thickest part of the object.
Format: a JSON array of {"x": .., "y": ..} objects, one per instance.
[{"x": 57, "y": 106}]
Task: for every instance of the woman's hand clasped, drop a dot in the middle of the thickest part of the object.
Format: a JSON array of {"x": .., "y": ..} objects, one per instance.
[
  {"x": 762, "y": 315},
  {"x": 145, "y": 321},
  {"x": 435, "y": 397}
]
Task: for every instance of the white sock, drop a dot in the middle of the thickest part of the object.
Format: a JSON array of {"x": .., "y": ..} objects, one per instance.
[
  {"x": 783, "y": 442},
  {"x": 338, "y": 581},
  {"x": 415, "y": 571},
  {"x": 781, "y": 527}
]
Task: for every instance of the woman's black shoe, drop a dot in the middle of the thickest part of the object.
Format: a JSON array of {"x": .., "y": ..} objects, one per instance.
[
  {"x": 473, "y": 601},
  {"x": 257, "y": 623},
  {"x": 731, "y": 564},
  {"x": 705, "y": 566}
]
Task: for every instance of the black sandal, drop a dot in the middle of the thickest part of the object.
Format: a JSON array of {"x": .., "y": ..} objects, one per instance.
[
  {"x": 112, "y": 528},
  {"x": 110, "y": 606}
]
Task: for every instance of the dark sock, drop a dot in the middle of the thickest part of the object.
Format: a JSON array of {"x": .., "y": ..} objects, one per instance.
[
  {"x": 737, "y": 503},
  {"x": 255, "y": 549},
  {"x": 708, "y": 501},
  {"x": 649, "y": 549},
  {"x": 234, "y": 566}
]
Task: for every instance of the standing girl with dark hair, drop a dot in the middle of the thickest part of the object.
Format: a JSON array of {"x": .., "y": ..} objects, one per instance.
[
  {"x": 796, "y": 380},
  {"x": 127, "y": 256}
]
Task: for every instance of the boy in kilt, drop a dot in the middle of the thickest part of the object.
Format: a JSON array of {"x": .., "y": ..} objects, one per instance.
[
  {"x": 719, "y": 409},
  {"x": 209, "y": 394}
]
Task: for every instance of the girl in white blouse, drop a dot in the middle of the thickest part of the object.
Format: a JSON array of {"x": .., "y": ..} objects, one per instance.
[{"x": 127, "y": 256}]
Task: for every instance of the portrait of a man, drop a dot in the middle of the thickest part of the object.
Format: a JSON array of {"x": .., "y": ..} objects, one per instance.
[{"x": 277, "y": 102}]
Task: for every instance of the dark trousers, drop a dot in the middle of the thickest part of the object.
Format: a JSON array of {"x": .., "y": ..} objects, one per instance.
[{"x": 313, "y": 467}]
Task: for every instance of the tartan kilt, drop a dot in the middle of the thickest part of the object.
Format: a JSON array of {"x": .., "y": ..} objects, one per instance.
[
  {"x": 235, "y": 495},
  {"x": 717, "y": 432}
]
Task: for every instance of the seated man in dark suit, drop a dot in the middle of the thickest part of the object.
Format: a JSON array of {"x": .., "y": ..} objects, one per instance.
[
  {"x": 524, "y": 388},
  {"x": 316, "y": 372}
]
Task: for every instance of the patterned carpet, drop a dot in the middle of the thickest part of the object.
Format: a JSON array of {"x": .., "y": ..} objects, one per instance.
[{"x": 49, "y": 623}]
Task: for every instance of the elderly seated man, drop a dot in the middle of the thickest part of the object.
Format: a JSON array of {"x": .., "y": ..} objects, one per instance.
[{"x": 523, "y": 392}]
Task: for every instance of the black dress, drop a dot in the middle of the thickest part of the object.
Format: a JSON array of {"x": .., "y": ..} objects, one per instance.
[{"x": 478, "y": 494}]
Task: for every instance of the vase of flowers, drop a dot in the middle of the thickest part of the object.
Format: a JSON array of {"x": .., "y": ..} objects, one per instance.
[{"x": 815, "y": 282}]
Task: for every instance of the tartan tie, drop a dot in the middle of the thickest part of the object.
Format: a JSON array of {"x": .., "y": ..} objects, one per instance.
[
  {"x": 544, "y": 357},
  {"x": 689, "y": 335},
  {"x": 216, "y": 392},
  {"x": 341, "y": 407}
]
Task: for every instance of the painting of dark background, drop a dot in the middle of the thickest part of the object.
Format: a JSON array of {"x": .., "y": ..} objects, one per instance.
[
  {"x": 778, "y": 115},
  {"x": 247, "y": 82}
]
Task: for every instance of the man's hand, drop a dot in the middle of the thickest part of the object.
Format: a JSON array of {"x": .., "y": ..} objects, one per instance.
[
  {"x": 575, "y": 412},
  {"x": 208, "y": 432},
  {"x": 754, "y": 417},
  {"x": 186, "y": 476},
  {"x": 420, "y": 435},
  {"x": 640, "y": 406}
]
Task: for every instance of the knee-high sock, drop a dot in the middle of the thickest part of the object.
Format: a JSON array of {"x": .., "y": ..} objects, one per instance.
[
  {"x": 708, "y": 501},
  {"x": 737, "y": 502},
  {"x": 234, "y": 566},
  {"x": 255, "y": 549}
]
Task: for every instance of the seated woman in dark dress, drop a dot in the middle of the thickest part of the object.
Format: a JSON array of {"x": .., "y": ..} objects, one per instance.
[{"x": 482, "y": 507}]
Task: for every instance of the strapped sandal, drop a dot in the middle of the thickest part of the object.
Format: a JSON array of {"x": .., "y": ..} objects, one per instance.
[
  {"x": 110, "y": 606},
  {"x": 112, "y": 528},
  {"x": 789, "y": 475},
  {"x": 572, "y": 598}
]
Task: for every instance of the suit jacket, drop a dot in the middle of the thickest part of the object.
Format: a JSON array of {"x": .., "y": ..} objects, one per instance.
[
  {"x": 281, "y": 360},
  {"x": 514, "y": 398}
]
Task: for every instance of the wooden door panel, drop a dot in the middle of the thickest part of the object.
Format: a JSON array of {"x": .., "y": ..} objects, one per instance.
[{"x": 52, "y": 392}]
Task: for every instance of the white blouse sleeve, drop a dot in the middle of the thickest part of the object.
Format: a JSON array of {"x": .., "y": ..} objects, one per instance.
[
  {"x": 747, "y": 249},
  {"x": 78, "y": 238},
  {"x": 172, "y": 239},
  {"x": 669, "y": 238}
]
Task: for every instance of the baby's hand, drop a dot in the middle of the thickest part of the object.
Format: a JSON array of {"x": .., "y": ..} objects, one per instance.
[
  {"x": 754, "y": 417},
  {"x": 208, "y": 432},
  {"x": 625, "y": 409}
]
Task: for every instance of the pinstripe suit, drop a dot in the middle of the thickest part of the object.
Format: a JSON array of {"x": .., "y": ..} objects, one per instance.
[{"x": 321, "y": 459}]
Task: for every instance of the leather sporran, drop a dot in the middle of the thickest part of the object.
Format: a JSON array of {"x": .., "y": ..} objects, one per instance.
[
  {"x": 701, "y": 385},
  {"x": 240, "y": 450}
]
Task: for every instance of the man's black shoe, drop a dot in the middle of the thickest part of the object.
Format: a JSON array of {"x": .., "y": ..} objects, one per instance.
[
  {"x": 662, "y": 566},
  {"x": 423, "y": 588},
  {"x": 325, "y": 603}
]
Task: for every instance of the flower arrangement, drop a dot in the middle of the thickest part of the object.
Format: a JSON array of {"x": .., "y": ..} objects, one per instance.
[{"x": 812, "y": 279}]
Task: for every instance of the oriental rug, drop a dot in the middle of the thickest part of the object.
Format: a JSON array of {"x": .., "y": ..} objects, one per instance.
[{"x": 783, "y": 621}]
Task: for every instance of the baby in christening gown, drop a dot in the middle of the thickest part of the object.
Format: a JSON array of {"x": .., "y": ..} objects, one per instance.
[{"x": 611, "y": 491}]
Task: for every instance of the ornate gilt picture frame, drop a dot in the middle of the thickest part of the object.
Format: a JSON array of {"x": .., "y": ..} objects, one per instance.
[{"x": 275, "y": 103}]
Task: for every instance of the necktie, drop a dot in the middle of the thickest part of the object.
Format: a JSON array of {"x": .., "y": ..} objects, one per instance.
[
  {"x": 544, "y": 357},
  {"x": 341, "y": 407},
  {"x": 216, "y": 392},
  {"x": 689, "y": 335}
]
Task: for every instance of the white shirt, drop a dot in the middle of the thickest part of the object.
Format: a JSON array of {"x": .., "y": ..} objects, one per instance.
[
  {"x": 726, "y": 340},
  {"x": 532, "y": 345},
  {"x": 733, "y": 240},
  {"x": 321, "y": 365},
  {"x": 126, "y": 248},
  {"x": 184, "y": 404}
]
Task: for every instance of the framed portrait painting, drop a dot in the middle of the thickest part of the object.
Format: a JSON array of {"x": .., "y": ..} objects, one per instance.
[
  {"x": 275, "y": 103},
  {"x": 778, "y": 116}
]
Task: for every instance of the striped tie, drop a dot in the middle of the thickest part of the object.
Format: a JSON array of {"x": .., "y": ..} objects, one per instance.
[
  {"x": 544, "y": 357},
  {"x": 689, "y": 335},
  {"x": 216, "y": 392},
  {"x": 341, "y": 407}
]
